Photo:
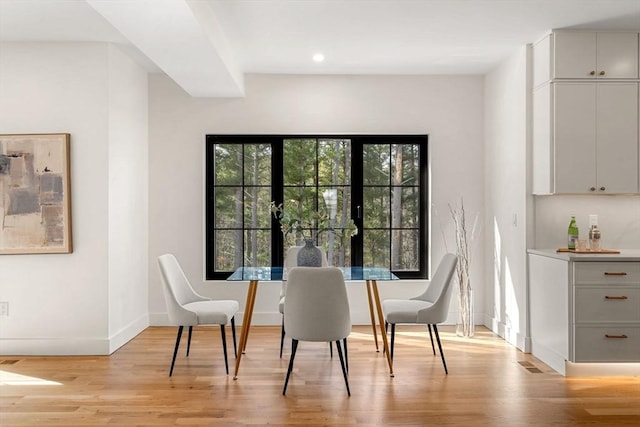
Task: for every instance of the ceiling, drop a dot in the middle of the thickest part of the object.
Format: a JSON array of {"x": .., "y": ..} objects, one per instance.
[{"x": 207, "y": 46}]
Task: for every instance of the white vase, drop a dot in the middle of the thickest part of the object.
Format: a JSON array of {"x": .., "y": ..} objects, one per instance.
[
  {"x": 465, "y": 326},
  {"x": 309, "y": 255}
]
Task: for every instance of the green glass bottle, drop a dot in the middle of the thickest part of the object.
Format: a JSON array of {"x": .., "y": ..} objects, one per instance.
[{"x": 572, "y": 233}]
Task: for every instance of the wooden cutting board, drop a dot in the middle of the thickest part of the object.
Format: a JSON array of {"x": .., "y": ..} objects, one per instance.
[{"x": 589, "y": 251}]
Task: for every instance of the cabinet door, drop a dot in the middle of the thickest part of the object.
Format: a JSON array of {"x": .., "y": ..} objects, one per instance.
[
  {"x": 617, "y": 138},
  {"x": 574, "y": 137},
  {"x": 617, "y": 55},
  {"x": 574, "y": 55}
]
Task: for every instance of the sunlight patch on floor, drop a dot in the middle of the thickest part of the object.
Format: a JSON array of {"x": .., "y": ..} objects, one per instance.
[{"x": 10, "y": 378}]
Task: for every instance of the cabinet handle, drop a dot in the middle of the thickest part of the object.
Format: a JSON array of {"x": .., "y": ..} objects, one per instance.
[
  {"x": 615, "y": 297},
  {"x": 623, "y": 336},
  {"x": 592, "y": 73},
  {"x": 593, "y": 189},
  {"x": 615, "y": 273},
  {"x": 602, "y": 73},
  {"x": 602, "y": 188}
]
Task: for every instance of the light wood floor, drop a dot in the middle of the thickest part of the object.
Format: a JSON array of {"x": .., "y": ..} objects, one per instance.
[{"x": 489, "y": 384}]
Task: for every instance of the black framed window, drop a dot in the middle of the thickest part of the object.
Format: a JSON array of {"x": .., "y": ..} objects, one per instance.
[{"x": 378, "y": 181}]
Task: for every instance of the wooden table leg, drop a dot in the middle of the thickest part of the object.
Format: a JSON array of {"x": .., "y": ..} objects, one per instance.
[
  {"x": 371, "y": 315},
  {"x": 252, "y": 300},
  {"x": 385, "y": 342},
  {"x": 246, "y": 322}
]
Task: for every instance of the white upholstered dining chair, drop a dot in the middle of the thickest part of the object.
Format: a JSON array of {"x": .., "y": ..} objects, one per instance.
[
  {"x": 317, "y": 309},
  {"x": 429, "y": 308},
  {"x": 185, "y": 307},
  {"x": 290, "y": 261}
]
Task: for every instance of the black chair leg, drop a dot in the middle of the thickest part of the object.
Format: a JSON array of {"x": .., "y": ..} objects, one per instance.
[
  {"x": 344, "y": 371},
  {"x": 393, "y": 339},
  {"x": 435, "y": 329},
  {"x": 189, "y": 340},
  {"x": 330, "y": 349},
  {"x": 175, "y": 350},
  {"x": 224, "y": 347},
  {"x": 294, "y": 347},
  {"x": 233, "y": 332},
  {"x": 431, "y": 336},
  {"x": 346, "y": 354},
  {"x": 282, "y": 337}
]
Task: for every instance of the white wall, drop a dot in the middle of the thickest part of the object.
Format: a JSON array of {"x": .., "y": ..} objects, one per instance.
[
  {"x": 506, "y": 201},
  {"x": 128, "y": 198},
  {"x": 448, "y": 109},
  {"x": 60, "y": 303}
]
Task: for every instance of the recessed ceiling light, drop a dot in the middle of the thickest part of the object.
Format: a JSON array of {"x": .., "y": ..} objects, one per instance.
[{"x": 318, "y": 57}]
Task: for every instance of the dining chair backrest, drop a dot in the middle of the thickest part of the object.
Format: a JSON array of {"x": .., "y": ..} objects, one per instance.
[
  {"x": 317, "y": 305},
  {"x": 291, "y": 260},
  {"x": 177, "y": 290},
  {"x": 439, "y": 290}
]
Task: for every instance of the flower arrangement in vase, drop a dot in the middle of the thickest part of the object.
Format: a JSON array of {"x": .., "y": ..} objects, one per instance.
[{"x": 307, "y": 227}]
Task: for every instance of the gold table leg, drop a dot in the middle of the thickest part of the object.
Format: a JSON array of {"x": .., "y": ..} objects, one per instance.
[
  {"x": 371, "y": 315},
  {"x": 246, "y": 322},
  {"x": 385, "y": 342}
]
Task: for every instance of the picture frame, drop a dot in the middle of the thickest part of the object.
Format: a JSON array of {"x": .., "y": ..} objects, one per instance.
[{"x": 35, "y": 194}]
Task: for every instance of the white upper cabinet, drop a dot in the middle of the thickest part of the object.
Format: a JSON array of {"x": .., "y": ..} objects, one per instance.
[
  {"x": 595, "y": 138},
  {"x": 595, "y": 55},
  {"x": 585, "y": 113}
]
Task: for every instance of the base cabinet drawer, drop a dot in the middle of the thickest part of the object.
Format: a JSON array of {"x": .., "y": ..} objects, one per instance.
[
  {"x": 607, "y": 344},
  {"x": 607, "y": 304},
  {"x": 607, "y": 273}
]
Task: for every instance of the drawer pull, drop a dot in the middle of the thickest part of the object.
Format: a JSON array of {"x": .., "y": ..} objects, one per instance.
[
  {"x": 623, "y": 336},
  {"x": 615, "y": 297},
  {"x": 615, "y": 273}
]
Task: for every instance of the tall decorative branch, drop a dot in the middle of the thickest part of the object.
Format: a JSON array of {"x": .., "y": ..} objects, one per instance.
[{"x": 463, "y": 250}]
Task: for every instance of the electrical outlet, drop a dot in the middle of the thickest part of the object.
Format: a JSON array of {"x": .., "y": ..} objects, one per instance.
[{"x": 4, "y": 308}]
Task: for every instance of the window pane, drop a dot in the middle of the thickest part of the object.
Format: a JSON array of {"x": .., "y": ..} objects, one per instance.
[
  {"x": 228, "y": 203},
  {"x": 257, "y": 164},
  {"x": 257, "y": 248},
  {"x": 299, "y": 161},
  {"x": 376, "y": 207},
  {"x": 376, "y": 166},
  {"x": 404, "y": 250},
  {"x": 228, "y": 164},
  {"x": 334, "y": 162},
  {"x": 410, "y": 212},
  {"x": 376, "y": 248},
  {"x": 300, "y": 201},
  {"x": 337, "y": 248},
  {"x": 405, "y": 164},
  {"x": 228, "y": 249},
  {"x": 257, "y": 208}
]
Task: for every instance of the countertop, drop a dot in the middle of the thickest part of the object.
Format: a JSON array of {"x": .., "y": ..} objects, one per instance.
[{"x": 624, "y": 255}]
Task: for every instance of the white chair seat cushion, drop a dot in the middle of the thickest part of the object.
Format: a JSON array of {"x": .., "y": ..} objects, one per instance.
[
  {"x": 403, "y": 311},
  {"x": 217, "y": 312},
  {"x": 281, "y": 306}
]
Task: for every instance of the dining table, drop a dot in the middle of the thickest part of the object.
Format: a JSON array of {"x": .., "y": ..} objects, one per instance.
[{"x": 368, "y": 275}]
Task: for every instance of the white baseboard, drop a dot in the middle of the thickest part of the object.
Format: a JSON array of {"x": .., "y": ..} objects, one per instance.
[
  {"x": 127, "y": 333},
  {"x": 54, "y": 347},
  {"x": 518, "y": 340},
  {"x": 602, "y": 369},
  {"x": 552, "y": 358},
  {"x": 66, "y": 346}
]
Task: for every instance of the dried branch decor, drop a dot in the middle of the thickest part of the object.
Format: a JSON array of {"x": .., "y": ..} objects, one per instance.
[{"x": 464, "y": 240}]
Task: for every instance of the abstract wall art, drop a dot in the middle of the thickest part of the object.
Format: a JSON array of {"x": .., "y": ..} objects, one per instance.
[{"x": 35, "y": 194}]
